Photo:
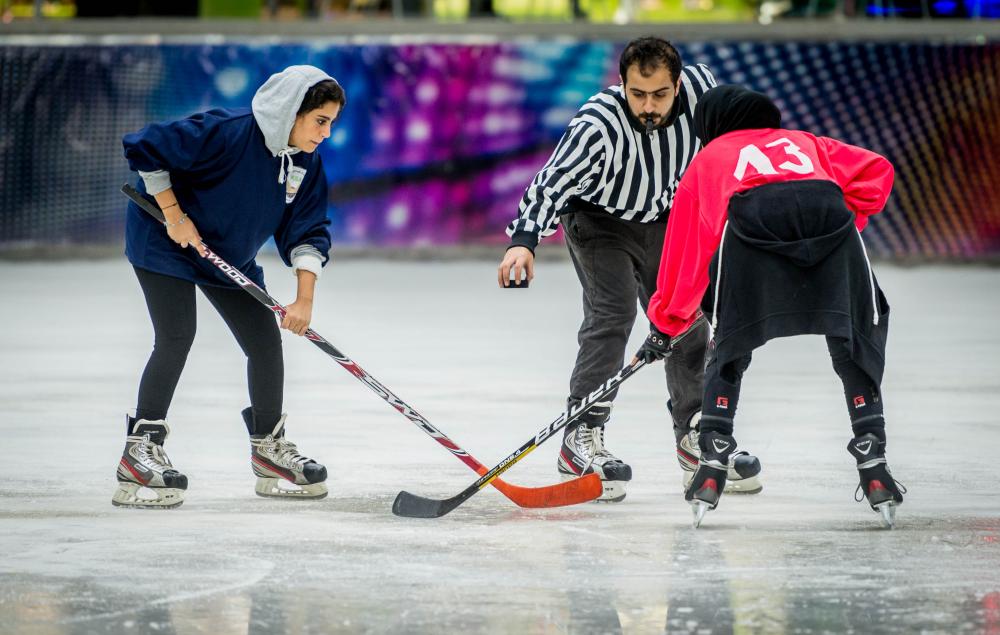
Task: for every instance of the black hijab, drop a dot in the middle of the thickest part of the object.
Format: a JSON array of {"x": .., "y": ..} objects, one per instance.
[{"x": 730, "y": 107}]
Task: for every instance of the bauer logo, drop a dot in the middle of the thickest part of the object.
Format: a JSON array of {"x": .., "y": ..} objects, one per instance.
[{"x": 859, "y": 402}]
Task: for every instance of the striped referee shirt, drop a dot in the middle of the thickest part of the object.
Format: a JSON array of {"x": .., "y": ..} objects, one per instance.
[{"x": 608, "y": 160}]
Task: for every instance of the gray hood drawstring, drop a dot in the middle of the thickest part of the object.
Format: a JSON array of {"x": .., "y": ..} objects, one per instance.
[{"x": 285, "y": 154}]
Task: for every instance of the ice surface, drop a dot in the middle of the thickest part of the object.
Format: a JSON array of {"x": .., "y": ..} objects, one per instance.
[{"x": 489, "y": 368}]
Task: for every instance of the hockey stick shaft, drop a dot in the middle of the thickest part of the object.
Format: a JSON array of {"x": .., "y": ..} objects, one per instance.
[
  {"x": 413, "y": 506},
  {"x": 568, "y": 493}
]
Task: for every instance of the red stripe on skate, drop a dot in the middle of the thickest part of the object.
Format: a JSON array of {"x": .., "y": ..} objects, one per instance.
[
  {"x": 572, "y": 466},
  {"x": 710, "y": 484},
  {"x": 689, "y": 457},
  {"x": 288, "y": 476},
  {"x": 137, "y": 476}
]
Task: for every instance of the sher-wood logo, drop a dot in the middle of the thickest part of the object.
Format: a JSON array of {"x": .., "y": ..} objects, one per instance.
[{"x": 231, "y": 272}]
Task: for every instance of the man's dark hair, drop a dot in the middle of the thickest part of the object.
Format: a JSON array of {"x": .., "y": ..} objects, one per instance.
[
  {"x": 650, "y": 53},
  {"x": 322, "y": 93}
]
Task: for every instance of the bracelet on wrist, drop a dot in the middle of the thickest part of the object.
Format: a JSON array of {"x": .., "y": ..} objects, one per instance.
[
  {"x": 180, "y": 221},
  {"x": 174, "y": 204}
]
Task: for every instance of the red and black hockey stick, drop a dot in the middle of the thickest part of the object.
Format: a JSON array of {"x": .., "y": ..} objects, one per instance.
[
  {"x": 413, "y": 506},
  {"x": 579, "y": 490}
]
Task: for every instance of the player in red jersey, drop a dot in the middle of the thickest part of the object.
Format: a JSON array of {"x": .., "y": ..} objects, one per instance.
[{"x": 764, "y": 236}]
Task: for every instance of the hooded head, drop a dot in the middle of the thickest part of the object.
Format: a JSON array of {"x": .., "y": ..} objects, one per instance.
[
  {"x": 729, "y": 107},
  {"x": 277, "y": 102}
]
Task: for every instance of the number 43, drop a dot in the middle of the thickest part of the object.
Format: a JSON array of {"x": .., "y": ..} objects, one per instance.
[{"x": 751, "y": 155}]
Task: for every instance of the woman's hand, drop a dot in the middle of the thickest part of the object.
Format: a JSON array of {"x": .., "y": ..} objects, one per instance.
[
  {"x": 298, "y": 315},
  {"x": 179, "y": 225},
  {"x": 184, "y": 233}
]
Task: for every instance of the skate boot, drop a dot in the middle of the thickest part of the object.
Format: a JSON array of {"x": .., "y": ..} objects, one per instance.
[
  {"x": 583, "y": 452},
  {"x": 744, "y": 469},
  {"x": 709, "y": 481},
  {"x": 146, "y": 478},
  {"x": 281, "y": 471},
  {"x": 883, "y": 492}
]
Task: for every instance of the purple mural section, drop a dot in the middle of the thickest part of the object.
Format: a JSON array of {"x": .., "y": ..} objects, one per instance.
[{"x": 439, "y": 141}]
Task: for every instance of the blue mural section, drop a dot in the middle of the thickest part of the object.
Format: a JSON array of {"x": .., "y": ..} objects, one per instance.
[{"x": 438, "y": 141}]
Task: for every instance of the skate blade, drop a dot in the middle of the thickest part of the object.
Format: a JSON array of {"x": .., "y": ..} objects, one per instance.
[
  {"x": 750, "y": 485},
  {"x": 699, "y": 509},
  {"x": 614, "y": 491},
  {"x": 135, "y": 496},
  {"x": 280, "y": 488},
  {"x": 887, "y": 511}
]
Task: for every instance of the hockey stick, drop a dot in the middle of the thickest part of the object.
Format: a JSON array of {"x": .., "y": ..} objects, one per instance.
[
  {"x": 413, "y": 506},
  {"x": 579, "y": 490}
]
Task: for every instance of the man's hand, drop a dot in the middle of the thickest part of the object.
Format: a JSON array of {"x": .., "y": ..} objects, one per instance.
[
  {"x": 298, "y": 315},
  {"x": 518, "y": 259},
  {"x": 656, "y": 346}
]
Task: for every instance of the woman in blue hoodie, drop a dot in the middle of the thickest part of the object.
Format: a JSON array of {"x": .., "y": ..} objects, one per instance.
[{"x": 233, "y": 178}]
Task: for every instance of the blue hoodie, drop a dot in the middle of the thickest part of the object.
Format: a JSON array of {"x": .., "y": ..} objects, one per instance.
[{"x": 238, "y": 180}]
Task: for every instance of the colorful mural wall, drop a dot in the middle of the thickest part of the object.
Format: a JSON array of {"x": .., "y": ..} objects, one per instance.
[{"x": 439, "y": 141}]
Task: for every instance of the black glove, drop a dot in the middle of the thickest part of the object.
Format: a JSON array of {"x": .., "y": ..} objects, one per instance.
[{"x": 656, "y": 346}]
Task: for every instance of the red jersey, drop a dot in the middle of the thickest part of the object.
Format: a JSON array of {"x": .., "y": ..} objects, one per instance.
[{"x": 735, "y": 162}]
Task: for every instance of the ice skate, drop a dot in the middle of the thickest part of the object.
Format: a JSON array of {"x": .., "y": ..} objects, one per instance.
[
  {"x": 709, "y": 481},
  {"x": 743, "y": 476},
  {"x": 883, "y": 492},
  {"x": 146, "y": 478},
  {"x": 583, "y": 452},
  {"x": 281, "y": 471}
]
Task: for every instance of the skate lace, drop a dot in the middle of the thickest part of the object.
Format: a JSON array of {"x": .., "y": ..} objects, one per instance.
[
  {"x": 692, "y": 439},
  {"x": 599, "y": 450},
  {"x": 281, "y": 450},
  {"x": 592, "y": 442},
  {"x": 286, "y": 453},
  {"x": 153, "y": 454}
]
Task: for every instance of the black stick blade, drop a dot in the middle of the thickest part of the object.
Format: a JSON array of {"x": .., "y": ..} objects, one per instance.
[{"x": 412, "y": 506}]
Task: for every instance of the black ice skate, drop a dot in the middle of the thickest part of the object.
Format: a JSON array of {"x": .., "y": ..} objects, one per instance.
[
  {"x": 583, "y": 452},
  {"x": 709, "y": 481},
  {"x": 281, "y": 471},
  {"x": 743, "y": 476},
  {"x": 884, "y": 494},
  {"x": 146, "y": 478}
]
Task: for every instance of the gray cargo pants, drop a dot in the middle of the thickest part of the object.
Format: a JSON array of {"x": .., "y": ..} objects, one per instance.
[{"x": 617, "y": 262}]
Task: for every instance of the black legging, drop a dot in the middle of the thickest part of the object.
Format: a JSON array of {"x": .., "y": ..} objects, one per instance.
[
  {"x": 722, "y": 393},
  {"x": 171, "y": 304}
]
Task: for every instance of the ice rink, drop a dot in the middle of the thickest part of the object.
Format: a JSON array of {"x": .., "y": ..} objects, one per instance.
[{"x": 489, "y": 368}]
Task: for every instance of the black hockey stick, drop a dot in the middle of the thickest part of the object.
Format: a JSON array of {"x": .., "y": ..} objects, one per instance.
[
  {"x": 580, "y": 490},
  {"x": 413, "y": 506}
]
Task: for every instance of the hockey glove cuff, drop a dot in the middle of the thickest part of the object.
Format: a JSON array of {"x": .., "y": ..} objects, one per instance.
[{"x": 656, "y": 346}]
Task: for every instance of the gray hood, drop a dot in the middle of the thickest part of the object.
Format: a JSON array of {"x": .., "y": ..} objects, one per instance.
[{"x": 277, "y": 101}]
